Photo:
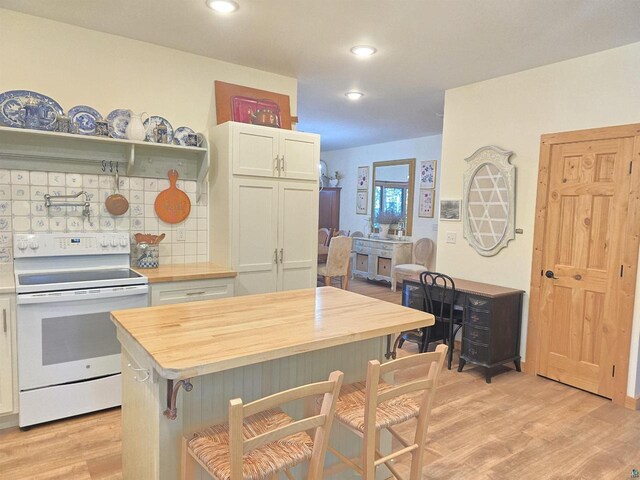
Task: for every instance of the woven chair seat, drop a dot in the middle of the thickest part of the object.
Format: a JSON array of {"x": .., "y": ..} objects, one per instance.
[
  {"x": 211, "y": 447},
  {"x": 350, "y": 407}
]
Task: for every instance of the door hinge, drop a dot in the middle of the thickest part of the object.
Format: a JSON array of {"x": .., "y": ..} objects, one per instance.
[
  {"x": 621, "y": 270},
  {"x": 613, "y": 371}
]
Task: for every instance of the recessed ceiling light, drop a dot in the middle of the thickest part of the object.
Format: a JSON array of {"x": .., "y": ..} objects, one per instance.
[
  {"x": 223, "y": 6},
  {"x": 354, "y": 95},
  {"x": 363, "y": 50}
]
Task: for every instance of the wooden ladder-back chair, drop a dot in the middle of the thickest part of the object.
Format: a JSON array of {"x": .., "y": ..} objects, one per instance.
[
  {"x": 367, "y": 408},
  {"x": 261, "y": 440}
]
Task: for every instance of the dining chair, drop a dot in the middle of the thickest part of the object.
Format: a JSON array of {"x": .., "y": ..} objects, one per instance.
[
  {"x": 260, "y": 440},
  {"x": 337, "y": 264},
  {"x": 323, "y": 236},
  {"x": 422, "y": 253},
  {"x": 366, "y": 408},
  {"x": 439, "y": 293}
]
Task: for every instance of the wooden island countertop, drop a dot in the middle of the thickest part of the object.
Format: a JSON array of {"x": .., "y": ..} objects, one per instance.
[
  {"x": 185, "y": 271},
  {"x": 199, "y": 338}
]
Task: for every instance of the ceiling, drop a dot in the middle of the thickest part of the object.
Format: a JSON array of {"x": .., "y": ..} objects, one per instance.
[{"x": 424, "y": 48}]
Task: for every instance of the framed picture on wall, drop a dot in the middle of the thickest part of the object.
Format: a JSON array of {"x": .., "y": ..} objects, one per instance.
[
  {"x": 450, "y": 210},
  {"x": 362, "y": 202},
  {"x": 428, "y": 174},
  {"x": 425, "y": 207},
  {"x": 363, "y": 178}
]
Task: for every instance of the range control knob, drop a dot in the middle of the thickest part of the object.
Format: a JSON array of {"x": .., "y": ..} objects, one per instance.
[
  {"x": 33, "y": 244},
  {"x": 114, "y": 242},
  {"x": 104, "y": 242},
  {"x": 22, "y": 244},
  {"x": 123, "y": 242}
]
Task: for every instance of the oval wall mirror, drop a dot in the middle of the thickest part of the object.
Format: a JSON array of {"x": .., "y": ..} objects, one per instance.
[{"x": 489, "y": 200}]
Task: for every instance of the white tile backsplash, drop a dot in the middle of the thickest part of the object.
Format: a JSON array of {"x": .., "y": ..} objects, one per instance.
[{"x": 22, "y": 210}]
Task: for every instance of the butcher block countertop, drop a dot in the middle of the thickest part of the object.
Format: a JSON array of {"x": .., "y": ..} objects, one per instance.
[
  {"x": 185, "y": 271},
  {"x": 198, "y": 338}
]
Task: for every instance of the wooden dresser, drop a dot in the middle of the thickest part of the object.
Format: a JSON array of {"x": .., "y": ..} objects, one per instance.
[
  {"x": 375, "y": 258},
  {"x": 491, "y": 321}
]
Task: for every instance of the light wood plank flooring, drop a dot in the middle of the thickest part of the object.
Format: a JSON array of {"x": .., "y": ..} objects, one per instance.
[{"x": 519, "y": 427}]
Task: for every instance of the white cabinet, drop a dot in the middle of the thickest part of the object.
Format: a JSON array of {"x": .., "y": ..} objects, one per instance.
[
  {"x": 275, "y": 247},
  {"x": 167, "y": 293},
  {"x": 376, "y": 258},
  {"x": 271, "y": 152},
  {"x": 263, "y": 224},
  {"x": 7, "y": 358}
]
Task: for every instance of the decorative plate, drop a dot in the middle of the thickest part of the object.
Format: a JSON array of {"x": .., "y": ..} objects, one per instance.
[
  {"x": 12, "y": 101},
  {"x": 118, "y": 121},
  {"x": 155, "y": 120},
  {"x": 85, "y": 118},
  {"x": 180, "y": 135}
]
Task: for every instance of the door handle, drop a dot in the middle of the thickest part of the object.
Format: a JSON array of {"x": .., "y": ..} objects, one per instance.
[
  {"x": 4, "y": 320},
  {"x": 275, "y": 256},
  {"x": 276, "y": 164},
  {"x": 281, "y": 255},
  {"x": 283, "y": 164},
  {"x": 550, "y": 274}
]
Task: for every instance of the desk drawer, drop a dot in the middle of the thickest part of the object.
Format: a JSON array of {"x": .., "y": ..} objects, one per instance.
[
  {"x": 384, "y": 266},
  {"x": 476, "y": 317},
  {"x": 475, "y": 352},
  {"x": 479, "y": 303},
  {"x": 480, "y": 335},
  {"x": 191, "y": 291}
]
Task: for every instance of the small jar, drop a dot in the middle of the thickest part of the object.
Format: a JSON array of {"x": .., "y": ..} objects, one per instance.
[{"x": 147, "y": 255}]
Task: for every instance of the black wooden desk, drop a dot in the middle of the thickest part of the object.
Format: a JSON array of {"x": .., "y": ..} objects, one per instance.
[{"x": 491, "y": 321}]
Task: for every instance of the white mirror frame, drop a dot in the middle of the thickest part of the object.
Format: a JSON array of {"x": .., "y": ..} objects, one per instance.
[{"x": 499, "y": 159}]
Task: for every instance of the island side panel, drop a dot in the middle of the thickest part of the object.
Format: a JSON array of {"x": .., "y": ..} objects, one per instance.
[{"x": 207, "y": 403}]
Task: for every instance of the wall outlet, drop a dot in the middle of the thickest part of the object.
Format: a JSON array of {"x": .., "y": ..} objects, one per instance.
[
  {"x": 451, "y": 237},
  {"x": 181, "y": 235}
]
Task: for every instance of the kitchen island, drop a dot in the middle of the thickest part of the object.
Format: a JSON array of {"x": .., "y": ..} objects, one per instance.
[{"x": 248, "y": 347}]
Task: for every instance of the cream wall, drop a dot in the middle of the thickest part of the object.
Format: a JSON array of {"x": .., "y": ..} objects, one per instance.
[
  {"x": 348, "y": 160},
  {"x": 512, "y": 112},
  {"x": 76, "y": 66}
]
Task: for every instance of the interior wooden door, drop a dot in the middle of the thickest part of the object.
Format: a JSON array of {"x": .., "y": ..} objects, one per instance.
[
  {"x": 584, "y": 296},
  {"x": 255, "y": 228},
  {"x": 297, "y": 235}
]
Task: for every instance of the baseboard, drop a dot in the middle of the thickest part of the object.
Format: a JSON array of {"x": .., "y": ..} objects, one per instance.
[
  {"x": 8, "y": 421},
  {"x": 632, "y": 403}
]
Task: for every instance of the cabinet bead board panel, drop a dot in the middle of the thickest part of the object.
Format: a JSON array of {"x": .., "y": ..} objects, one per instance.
[{"x": 22, "y": 210}]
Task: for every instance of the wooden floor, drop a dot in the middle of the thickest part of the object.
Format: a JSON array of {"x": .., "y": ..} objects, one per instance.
[{"x": 519, "y": 427}]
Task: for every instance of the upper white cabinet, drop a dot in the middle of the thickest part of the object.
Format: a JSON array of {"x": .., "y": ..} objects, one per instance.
[
  {"x": 263, "y": 201},
  {"x": 271, "y": 152},
  {"x": 6, "y": 355}
]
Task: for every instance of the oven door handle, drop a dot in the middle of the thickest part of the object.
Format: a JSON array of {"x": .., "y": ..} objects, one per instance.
[{"x": 80, "y": 295}]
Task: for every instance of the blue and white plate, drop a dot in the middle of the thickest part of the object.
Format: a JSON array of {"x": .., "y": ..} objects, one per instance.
[
  {"x": 180, "y": 135},
  {"x": 118, "y": 121},
  {"x": 12, "y": 101},
  {"x": 85, "y": 118},
  {"x": 155, "y": 120}
]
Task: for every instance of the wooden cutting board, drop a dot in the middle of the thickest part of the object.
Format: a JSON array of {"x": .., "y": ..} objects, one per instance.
[{"x": 172, "y": 205}]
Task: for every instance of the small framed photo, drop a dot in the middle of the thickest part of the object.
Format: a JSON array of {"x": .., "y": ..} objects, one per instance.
[
  {"x": 362, "y": 202},
  {"x": 363, "y": 178},
  {"x": 428, "y": 174},
  {"x": 425, "y": 208},
  {"x": 450, "y": 210}
]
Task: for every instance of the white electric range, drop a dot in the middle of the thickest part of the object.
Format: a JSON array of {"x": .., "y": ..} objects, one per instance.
[{"x": 68, "y": 353}]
